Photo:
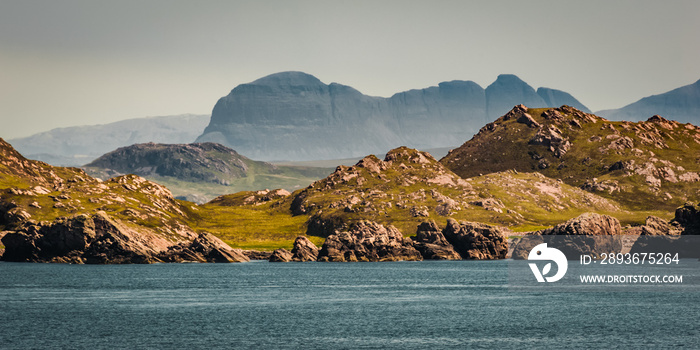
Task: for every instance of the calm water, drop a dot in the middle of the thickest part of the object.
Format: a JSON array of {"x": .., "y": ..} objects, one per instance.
[{"x": 403, "y": 305}]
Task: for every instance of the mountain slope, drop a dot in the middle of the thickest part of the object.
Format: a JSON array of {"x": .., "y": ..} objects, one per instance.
[
  {"x": 681, "y": 104},
  {"x": 645, "y": 165},
  {"x": 50, "y": 214},
  {"x": 201, "y": 171},
  {"x": 78, "y": 145},
  {"x": 295, "y": 116}
]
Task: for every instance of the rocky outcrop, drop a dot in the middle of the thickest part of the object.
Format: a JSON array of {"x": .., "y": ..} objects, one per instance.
[
  {"x": 680, "y": 235},
  {"x": 304, "y": 250},
  {"x": 590, "y": 224},
  {"x": 205, "y": 248},
  {"x": 368, "y": 241},
  {"x": 656, "y": 226},
  {"x": 99, "y": 239},
  {"x": 688, "y": 217},
  {"x": 552, "y": 138},
  {"x": 82, "y": 239},
  {"x": 257, "y": 254},
  {"x": 589, "y": 233},
  {"x": 281, "y": 255},
  {"x": 476, "y": 241},
  {"x": 432, "y": 244}
]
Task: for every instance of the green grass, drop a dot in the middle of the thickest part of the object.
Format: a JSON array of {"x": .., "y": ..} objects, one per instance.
[{"x": 250, "y": 227}]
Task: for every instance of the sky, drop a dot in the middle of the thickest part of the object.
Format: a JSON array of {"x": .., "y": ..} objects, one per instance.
[{"x": 67, "y": 62}]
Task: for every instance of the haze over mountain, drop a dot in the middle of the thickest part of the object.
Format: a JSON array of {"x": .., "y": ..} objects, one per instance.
[
  {"x": 199, "y": 172},
  {"x": 78, "y": 145},
  {"x": 681, "y": 104},
  {"x": 295, "y": 116}
]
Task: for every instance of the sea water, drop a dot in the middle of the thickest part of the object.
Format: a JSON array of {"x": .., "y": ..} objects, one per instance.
[{"x": 261, "y": 305}]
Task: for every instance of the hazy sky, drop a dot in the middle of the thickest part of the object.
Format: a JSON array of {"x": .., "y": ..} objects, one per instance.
[{"x": 65, "y": 63}]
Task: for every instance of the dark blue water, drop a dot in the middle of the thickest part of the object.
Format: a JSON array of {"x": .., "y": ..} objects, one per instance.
[{"x": 260, "y": 305}]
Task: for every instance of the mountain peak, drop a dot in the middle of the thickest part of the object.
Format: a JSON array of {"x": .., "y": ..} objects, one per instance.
[
  {"x": 289, "y": 78},
  {"x": 509, "y": 79}
]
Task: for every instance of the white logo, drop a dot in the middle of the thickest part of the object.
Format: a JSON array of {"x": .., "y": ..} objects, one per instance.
[{"x": 541, "y": 252}]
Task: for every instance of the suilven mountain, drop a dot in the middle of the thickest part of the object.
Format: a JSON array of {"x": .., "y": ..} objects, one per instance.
[{"x": 295, "y": 116}]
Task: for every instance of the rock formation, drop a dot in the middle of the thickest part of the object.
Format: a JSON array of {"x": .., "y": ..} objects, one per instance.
[
  {"x": 304, "y": 250},
  {"x": 432, "y": 244},
  {"x": 589, "y": 233},
  {"x": 368, "y": 241},
  {"x": 476, "y": 241},
  {"x": 281, "y": 255}
]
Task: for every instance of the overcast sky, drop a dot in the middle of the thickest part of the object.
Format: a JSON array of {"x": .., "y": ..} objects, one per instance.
[{"x": 66, "y": 63}]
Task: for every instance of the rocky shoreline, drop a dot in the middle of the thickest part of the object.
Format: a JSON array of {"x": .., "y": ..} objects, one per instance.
[{"x": 98, "y": 239}]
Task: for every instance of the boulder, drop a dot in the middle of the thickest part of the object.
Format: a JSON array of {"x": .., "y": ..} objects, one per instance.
[
  {"x": 589, "y": 233},
  {"x": 281, "y": 255},
  {"x": 476, "y": 241},
  {"x": 656, "y": 226},
  {"x": 368, "y": 241},
  {"x": 257, "y": 254},
  {"x": 304, "y": 250},
  {"x": 205, "y": 248},
  {"x": 688, "y": 217},
  {"x": 432, "y": 244}
]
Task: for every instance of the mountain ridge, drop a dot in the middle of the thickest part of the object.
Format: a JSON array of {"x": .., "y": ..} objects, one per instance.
[
  {"x": 681, "y": 104},
  {"x": 78, "y": 145},
  {"x": 309, "y": 119}
]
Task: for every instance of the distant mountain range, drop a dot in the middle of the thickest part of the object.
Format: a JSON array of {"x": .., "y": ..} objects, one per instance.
[
  {"x": 78, "y": 145},
  {"x": 681, "y": 104},
  {"x": 295, "y": 116}
]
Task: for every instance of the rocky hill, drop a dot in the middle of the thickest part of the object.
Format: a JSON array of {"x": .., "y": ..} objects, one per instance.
[
  {"x": 201, "y": 170},
  {"x": 404, "y": 190},
  {"x": 52, "y": 214},
  {"x": 74, "y": 146},
  {"x": 645, "y": 165},
  {"x": 295, "y": 116},
  {"x": 681, "y": 104}
]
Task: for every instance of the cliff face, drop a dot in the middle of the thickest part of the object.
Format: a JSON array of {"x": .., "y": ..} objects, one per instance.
[{"x": 294, "y": 116}]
